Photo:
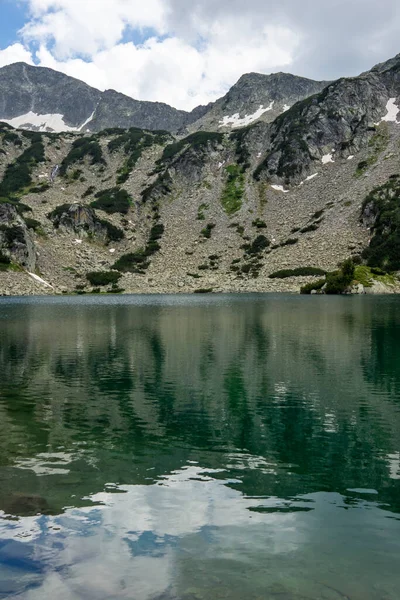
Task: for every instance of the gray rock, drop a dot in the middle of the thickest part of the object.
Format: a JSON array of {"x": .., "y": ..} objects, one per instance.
[{"x": 15, "y": 239}]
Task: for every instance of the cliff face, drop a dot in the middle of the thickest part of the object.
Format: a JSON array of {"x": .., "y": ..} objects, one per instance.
[{"x": 219, "y": 210}]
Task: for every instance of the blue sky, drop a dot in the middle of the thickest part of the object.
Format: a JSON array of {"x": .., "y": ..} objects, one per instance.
[{"x": 13, "y": 16}]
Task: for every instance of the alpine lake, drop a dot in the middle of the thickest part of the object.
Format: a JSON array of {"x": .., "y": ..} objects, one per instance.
[{"x": 239, "y": 447}]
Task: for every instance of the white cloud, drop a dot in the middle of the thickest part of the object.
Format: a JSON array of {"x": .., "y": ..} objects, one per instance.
[
  {"x": 168, "y": 69},
  {"x": 15, "y": 53},
  {"x": 194, "y": 51}
]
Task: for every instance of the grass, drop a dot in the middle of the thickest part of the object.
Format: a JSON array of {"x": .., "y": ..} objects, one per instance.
[
  {"x": 200, "y": 211},
  {"x": 232, "y": 196}
]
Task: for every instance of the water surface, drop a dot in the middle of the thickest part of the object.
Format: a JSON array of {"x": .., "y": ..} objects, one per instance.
[{"x": 198, "y": 448}]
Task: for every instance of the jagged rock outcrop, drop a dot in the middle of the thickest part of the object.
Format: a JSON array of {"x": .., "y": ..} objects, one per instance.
[
  {"x": 83, "y": 221},
  {"x": 15, "y": 240},
  {"x": 337, "y": 122}
]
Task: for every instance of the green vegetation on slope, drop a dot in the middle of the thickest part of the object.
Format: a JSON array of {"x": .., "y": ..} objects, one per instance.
[
  {"x": 18, "y": 175},
  {"x": 232, "y": 196},
  {"x": 383, "y": 203},
  {"x": 112, "y": 200},
  {"x": 102, "y": 278},
  {"x": 133, "y": 142},
  {"x": 335, "y": 282},
  {"x": 138, "y": 262},
  {"x": 299, "y": 272},
  {"x": 197, "y": 140},
  {"x": 81, "y": 148}
]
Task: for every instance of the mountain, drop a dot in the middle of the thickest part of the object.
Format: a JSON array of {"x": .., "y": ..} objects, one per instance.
[
  {"x": 41, "y": 99},
  {"x": 271, "y": 206},
  {"x": 257, "y": 96}
]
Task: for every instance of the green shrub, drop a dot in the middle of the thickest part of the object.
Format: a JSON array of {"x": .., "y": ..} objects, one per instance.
[
  {"x": 102, "y": 278},
  {"x": 317, "y": 215},
  {"x": 4, "y": 262},
  {"x": 137, "y": 262},
  {"x": 113, "y": 200},
  {"x": 134, "y": 142},
  {"x": 311, "y": 227},
  {"x": 200, "y": 211},
  {"x": 19, "y": 206},
  {"x": 32, "y": 224},
  {"x": 82, "y": 147},
  {"x": 134, "y": 262},
  {"x": 18, "y": 175},
  {"x": 206, "y": 232},
  {"x": 290, "y": 242},
  {"x": 40, "y": 189},
  {"x": 88, "y": 192},
  {"x": 338, "y": 281},
  {"x": 309, "y": 287},
  {"x": 12, "y": 138},
  {"x": 259, "y": 224},
  {"x": 114, "y": 234},
  {"x": 258, "y": 245},
  {"x": 299, "y": 272},
  {"x": 162, "y": 186},
  {"x": 203, "y": 291}
]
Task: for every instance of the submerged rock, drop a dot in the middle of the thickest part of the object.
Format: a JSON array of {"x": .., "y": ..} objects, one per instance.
[{"x": 25, "y": 505}]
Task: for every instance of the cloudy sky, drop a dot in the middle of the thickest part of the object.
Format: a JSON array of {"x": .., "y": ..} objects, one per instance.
[{"x": 189, "y": 52}]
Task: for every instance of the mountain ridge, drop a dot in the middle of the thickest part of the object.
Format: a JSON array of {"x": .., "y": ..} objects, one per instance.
[
  {"x": 37, "y": 94},
  {"x": 258, "y": 208}
]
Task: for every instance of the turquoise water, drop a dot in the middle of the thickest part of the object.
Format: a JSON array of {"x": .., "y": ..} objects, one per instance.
[{"x": 198, "y": 448}]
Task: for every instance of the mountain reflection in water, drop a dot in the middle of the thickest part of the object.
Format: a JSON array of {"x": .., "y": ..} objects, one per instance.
[{"x": 239, "y": 447}]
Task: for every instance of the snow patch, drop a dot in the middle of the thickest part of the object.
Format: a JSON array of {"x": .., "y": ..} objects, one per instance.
[
  {"x": 77, "y": 242},
  {"x": 392, "y": 111},
  {"x": 327, "y": 158},
  {"x": 279, "y": 188},
  {"x": 285, "y": 107},
  {"x": 112, "y": 250},
  {"x": 311, "y": 177},
  {"x": 236, "y": 121},
  {"x": 49, "y": 122},
  {"x": 86, "y": 122},
  {"x": 40, "y": 280},
  {"x": 350, "y": 157}
]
